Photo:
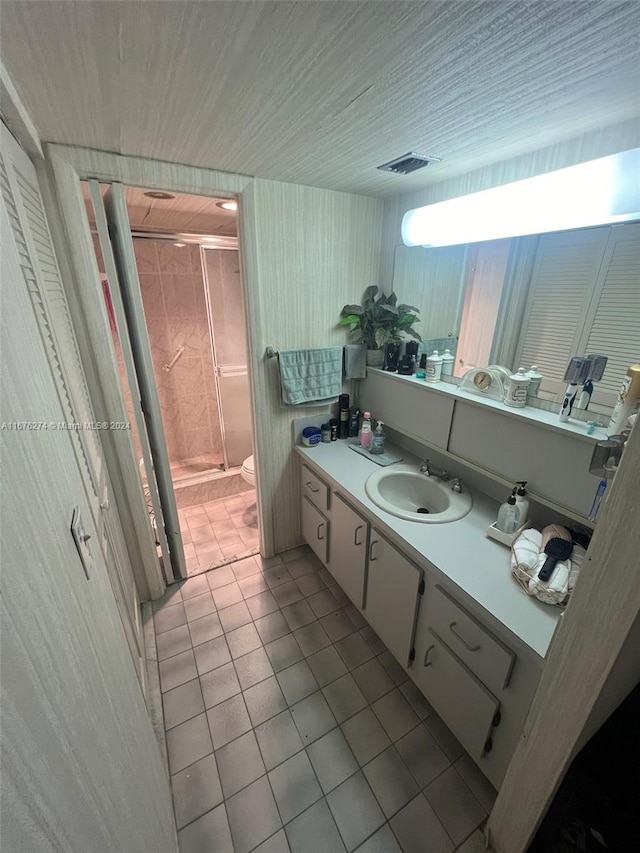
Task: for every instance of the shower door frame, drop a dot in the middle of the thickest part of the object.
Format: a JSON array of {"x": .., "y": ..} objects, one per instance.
[
  {"x": 212, "y": 337},
  {"x": 60, "y": 175}
]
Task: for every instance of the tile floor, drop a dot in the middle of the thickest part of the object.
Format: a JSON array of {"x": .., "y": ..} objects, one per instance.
[
  {"x": 219, "y": 531},
  {"x": 291, "y": 729}
]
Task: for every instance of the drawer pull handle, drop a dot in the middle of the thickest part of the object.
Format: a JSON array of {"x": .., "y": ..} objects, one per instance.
[
  {"x": 497, "y": 719},
  {"x": 372, "y": 559},
  {"x": 488, "y": 746},
  {"x": 355, "y": 535},
  {"x": 309, "y": 485},
  {"x": 455, "y": 633},
  {"x": 426, "y": 661},
  {"x": 320, "y": 527}
]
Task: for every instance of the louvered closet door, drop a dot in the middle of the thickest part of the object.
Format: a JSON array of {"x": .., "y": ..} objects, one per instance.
[
  {"x": 613, "y": 322},
  {"x": 30, "y": 232},
  {"x": 42, "y": 277},
  {"x": 565, "y": 273}
]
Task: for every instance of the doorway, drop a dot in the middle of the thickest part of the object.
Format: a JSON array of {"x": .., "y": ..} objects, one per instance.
[{"x": 188, "y": 276}]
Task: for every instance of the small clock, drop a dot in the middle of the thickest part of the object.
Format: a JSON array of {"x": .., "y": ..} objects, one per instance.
[
  {"x": 485, "y": 381},
  {"x": 482, "y": 380}
]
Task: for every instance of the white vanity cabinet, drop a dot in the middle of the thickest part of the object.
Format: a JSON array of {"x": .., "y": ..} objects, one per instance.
[
  {"x": 392, "y": 596},
  {"x": 315, "y": 503},
  {"x": 477, "y": 680},
  {"x": 348, "y": 551},
  {"x": 479, "y": 686}
]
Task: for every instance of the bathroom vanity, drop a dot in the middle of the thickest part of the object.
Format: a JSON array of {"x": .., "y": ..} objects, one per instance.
[{"x": 439, "y": 595}]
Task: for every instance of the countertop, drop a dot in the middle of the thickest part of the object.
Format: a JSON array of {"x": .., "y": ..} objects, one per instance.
[{"x": 459, "y": 549}]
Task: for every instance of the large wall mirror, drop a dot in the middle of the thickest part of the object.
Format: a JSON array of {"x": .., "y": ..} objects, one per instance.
[{"x": 531, "y": 300}]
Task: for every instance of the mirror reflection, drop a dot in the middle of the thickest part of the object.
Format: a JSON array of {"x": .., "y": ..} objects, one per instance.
[{"x": 538, "y": 299}]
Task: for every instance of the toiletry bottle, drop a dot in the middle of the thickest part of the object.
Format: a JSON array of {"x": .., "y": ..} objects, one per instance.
[
  {"x": 354, "y": 421},
  {"x": 378, "y": 440},
  {"x": 628, "y": 398},
  {"x": 522, "y": 502},
  {"x": 508, "y": 515},
  {"x": 535, "y": 378},
  {"x": 517, "y": 386},
  {"x": 447, "y": 363},
  {"x": 365, "y": 431},
  {"x": 434, "y": 367},
  {"x": 343, "y": 429},
  {"x": 325, "y": 429}
]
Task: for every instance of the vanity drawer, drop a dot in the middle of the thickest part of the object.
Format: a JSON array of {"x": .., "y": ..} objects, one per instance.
[
  {"x": 315, "y": 489},
  {"x": 463, "y": 702},
  {"x": 483, "y": 653},
  {"x": 315, "y": 530}
]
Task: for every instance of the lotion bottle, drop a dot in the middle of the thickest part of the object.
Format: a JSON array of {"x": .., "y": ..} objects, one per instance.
[{"x": 365, "y": 431}]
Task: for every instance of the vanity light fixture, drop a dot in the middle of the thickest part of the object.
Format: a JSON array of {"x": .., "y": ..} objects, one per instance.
[
  {"x": 599, "y": 192},
  {"x": 228, "y": 205}
]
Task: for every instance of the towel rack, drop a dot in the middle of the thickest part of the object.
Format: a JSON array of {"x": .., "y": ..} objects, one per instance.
[{"x": 270, "y": 352}]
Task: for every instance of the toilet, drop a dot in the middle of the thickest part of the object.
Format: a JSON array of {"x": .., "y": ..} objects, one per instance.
[{"x": 248, "y": 471}]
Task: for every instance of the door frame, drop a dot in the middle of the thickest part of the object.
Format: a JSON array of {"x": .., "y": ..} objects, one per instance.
[{"x": 60, "y": 175}]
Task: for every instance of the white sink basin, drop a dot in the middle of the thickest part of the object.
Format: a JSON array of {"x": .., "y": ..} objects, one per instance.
[{"x": 406, "y": 493}]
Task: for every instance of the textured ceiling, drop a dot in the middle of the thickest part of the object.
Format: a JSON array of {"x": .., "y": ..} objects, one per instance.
[
  {"x": 186, "y": 213},
  {"x": 320, "y": 93}
]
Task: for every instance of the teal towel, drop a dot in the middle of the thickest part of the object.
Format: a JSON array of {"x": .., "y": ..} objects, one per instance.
[{"x": 310, "y": 376}]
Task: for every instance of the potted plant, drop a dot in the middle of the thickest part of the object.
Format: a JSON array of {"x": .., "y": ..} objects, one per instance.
[{"x": 378, "y": 320}]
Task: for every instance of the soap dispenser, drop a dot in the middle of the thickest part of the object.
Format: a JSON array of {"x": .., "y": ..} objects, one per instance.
[
  {"x": 507, "y": 520},
  {"x": 378, "y": 440},
  {"x": 522, "y": 503}
]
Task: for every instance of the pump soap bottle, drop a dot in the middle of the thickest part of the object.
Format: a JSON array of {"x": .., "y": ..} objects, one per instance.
[
  {"x": 522, "y": 503},
  {"x": 378, "y": 440},
  {"x": 507, "y": 520}
]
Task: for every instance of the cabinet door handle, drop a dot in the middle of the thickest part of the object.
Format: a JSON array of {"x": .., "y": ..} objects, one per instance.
[
  {"x": 426, "y": 661},
  {"x": 372, "y": 559},
  {"x": 355, "y": 535},
  {"x": 459, "y": 636},
  {"x": 320, "y": 527},
  {"x": 309, "y": 485}
]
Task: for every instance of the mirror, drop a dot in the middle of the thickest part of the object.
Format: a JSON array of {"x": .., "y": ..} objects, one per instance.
[{"x": 538, "y": 299}]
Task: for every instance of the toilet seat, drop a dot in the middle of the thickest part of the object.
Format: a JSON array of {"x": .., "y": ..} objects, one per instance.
[{"x": 248, "y": 470}]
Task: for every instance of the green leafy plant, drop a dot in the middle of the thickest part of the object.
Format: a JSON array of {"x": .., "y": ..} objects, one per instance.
[{"x": 379, "y": 319}]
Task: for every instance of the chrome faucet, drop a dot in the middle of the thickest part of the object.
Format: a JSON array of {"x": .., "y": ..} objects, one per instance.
[{"x": 430, "y": 470}]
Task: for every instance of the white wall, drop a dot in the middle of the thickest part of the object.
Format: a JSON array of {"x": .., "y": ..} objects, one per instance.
[
  {"x": 309, "y": 252},
  {"x": 81, "y": 770}
]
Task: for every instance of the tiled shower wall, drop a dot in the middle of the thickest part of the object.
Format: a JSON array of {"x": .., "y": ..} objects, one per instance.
[{"x": 173, "y": 295}]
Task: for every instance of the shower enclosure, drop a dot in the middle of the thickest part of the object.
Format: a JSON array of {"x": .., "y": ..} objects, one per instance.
[{"x": 193, "y": 307}]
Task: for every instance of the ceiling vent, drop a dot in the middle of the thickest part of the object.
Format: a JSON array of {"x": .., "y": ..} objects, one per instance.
[{"x": 408, "y": 163}]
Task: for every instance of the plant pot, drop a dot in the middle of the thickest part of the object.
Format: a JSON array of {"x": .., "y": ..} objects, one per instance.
[{"x": 375, "y": 357}]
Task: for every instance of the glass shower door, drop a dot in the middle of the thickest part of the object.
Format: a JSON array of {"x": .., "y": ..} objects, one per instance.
[{"x": 229, "y": 344}]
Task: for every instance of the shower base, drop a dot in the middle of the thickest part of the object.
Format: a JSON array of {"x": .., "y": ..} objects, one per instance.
[{"x": 201, "y": 479}]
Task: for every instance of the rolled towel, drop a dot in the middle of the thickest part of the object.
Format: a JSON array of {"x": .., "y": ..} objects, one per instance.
[{"x": 526, "y": 562}]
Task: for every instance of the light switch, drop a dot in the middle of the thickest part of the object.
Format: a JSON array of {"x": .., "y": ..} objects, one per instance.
[{"x": 81, "y": 538}]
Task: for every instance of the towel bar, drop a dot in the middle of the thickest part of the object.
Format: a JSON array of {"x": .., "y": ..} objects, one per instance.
[{"x": 270, "y": 352}]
